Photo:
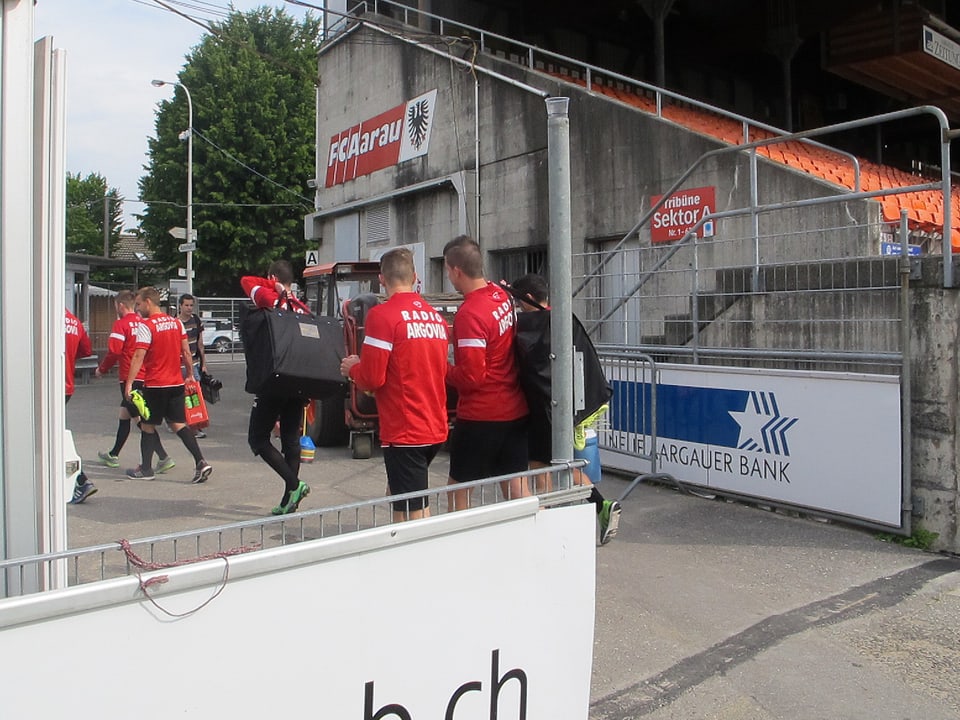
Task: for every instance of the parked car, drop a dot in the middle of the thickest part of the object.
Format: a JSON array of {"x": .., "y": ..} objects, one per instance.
[{"x": 220, "y": 335}]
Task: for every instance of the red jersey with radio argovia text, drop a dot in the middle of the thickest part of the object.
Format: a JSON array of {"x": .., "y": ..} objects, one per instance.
[
  {"x": 162, "y": 337},
  {"x": 120, "y": 346},
  {"x": 78, "y": 345},
  {"x": 403, "y": 361},
  {"x": 485, "y": 370}
]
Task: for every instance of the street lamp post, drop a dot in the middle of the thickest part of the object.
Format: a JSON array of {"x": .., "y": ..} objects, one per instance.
[{"x": 189, "y": 134}]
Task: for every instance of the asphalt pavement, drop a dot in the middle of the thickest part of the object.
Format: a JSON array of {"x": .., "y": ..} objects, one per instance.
[{"x": 705, "y": 608}]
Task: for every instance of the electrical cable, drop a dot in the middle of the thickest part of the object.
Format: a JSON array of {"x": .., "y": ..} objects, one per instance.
[
  {"x": 215, "y": 204},
  {"x": 250, "y": 169}
]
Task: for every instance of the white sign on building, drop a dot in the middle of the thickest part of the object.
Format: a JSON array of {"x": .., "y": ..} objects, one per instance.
[{"x": 941, "y": 47}]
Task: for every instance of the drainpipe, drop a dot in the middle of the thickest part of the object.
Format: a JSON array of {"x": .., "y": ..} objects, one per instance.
[
  {"x": 561, "y": 325},
  {"x": 906, "y": 377},
  {"x": 476, "y": 155}
]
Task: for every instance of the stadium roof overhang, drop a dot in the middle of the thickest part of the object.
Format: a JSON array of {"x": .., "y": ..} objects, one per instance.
[
  {"x": 98, "y": 261},
  {"x": 908, "y": 54}
]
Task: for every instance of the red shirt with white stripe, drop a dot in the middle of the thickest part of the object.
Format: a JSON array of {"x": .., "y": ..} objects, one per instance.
[
  {"x": 77, "y": 345},
  {"x": 485, "y": 372},
  {"x": 403, "y": 361},
  {"x": 264, "y": 294},
  {"x": 120, "y": 346},
  {"x": 162, "y": 337}
]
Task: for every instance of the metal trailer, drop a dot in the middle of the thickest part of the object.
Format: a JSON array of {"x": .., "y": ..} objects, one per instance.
[{"x": 346, "y": 291}]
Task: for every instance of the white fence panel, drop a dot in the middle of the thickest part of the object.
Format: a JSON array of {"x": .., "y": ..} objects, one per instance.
[{"x": 476, "y": 614}]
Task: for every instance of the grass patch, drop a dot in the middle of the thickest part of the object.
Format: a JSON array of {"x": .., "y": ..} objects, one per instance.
[{"x": 921, "y": 538}]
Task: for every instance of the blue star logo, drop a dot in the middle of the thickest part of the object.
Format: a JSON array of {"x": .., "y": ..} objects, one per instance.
[{"x": 762, "y": 427}]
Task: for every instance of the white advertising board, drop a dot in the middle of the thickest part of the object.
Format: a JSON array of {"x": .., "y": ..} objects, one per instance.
[
  {"x": 828, "y": 441},
  {"x": 471, "y": 615}
]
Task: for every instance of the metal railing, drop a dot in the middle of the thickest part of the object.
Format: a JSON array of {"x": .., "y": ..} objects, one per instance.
[
  {"x": 123, "y": 558},
  {"x": 755, "y": 209},
  {"x": 226, "y": 311},
  {"x": 700, "y": 305},
  {"x": 633, "y": 408}
]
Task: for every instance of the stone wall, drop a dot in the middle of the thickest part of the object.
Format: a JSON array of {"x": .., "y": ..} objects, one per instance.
[{"x": 935, "y": 384}]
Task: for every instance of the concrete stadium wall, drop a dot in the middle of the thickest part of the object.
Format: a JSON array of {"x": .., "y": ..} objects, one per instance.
[
  {"x": 935, "y": 388},
  {"x": 619, "y": 158}
]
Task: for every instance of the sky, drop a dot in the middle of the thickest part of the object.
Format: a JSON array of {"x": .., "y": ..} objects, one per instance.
[{"x": 114, "y": 49}]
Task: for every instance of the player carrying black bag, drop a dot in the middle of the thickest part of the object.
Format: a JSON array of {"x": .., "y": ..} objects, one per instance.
[
  {"x": 291, "y": 356},
  {"x": 532, "y": 347}
]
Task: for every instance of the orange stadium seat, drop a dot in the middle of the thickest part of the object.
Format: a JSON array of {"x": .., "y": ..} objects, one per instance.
[{"x": 924, "y": 209}]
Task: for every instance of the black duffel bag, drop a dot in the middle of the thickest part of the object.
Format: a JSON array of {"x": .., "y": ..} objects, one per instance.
[
  {"x": 291, "y": 354},
  {"x": 532, "y": 346}
]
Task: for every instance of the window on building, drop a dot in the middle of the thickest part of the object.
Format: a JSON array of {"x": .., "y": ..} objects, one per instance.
[{"x": 511, "y": 264}]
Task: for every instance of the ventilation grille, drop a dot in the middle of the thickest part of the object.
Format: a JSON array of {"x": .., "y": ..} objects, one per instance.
[{"x": 378, "y": 224}]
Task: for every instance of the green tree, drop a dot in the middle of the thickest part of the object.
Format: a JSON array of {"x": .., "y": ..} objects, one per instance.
[
  {"x": 252, "y": 83},
  {"x": 85, "y": 204}
]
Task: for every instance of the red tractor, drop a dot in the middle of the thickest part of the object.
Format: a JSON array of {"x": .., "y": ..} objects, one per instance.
[{"x": 347, "y": 291}]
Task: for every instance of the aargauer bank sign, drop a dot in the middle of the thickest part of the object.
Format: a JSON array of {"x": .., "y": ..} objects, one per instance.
[{"x": 390, "y": 138}]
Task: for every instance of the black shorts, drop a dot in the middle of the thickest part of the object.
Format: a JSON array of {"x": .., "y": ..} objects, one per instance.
[
  {"x": 481, "y": 449},
  {"x": 540, "y": 437},
  {"x": 165, "y": 403},
  {"x": 407, "y": 471},
  {"x": 126, "y": 404},
  {"x": 266, "y": 411}
]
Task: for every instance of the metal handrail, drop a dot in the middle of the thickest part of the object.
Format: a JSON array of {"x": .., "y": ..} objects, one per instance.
[
  {"x": 846, "y": 195},
  {"x": 377, "y": 510}
]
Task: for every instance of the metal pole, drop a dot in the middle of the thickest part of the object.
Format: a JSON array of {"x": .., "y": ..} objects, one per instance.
[
  {"x": 189, "y": 188},
  {"x": 189, "y": 138},
  {"x": 947, "y": 211},
  {"x": 106, "y": 226},
  {"x": 561, "y": 325},
  {"x": 906, "y": 377}
]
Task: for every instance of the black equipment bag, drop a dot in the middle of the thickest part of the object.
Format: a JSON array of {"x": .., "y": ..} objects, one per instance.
[
  {"x": 210, "y": 387},
  {"x": 291, "y": 354},
  {"x": 532, "y": 347}
]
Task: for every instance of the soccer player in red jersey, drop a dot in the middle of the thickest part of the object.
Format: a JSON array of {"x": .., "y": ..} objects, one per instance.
[
  {"x": 77, "y": 345},
  {"x": 274, "y": 291},
  {"x": 120, "y": 347},
  {"x": 403, "y": 361},
  {"x": 489, "y": 437},
  {"x": 161, "y": 343}
]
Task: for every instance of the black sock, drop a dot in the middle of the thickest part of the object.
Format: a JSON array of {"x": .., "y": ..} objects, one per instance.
[
  {"x": 189, "y": 439},
  {"x": 158, "y": 447},
  {"x": 123, "y": 432},
  {"x": 596, "y": 498},
  {"x": 146, "y": 452}
]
